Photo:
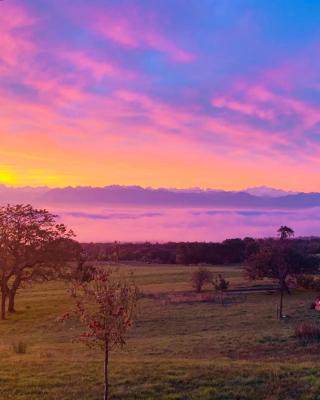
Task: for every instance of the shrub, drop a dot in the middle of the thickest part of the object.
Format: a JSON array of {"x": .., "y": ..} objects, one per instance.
[
  {"x": 19, "y": 347},
  {"x": 84, "y": 272},
  {"x": 308, "y": 282},
  {"x": 199, "y": 277},
  {"x": 307, "y": 331},
  {"x": 220, "y": 286}
]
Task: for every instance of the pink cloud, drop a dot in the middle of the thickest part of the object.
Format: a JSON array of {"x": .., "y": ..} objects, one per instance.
[
  {"x": 286, "y": 103},
  {"x": 105, "y": 116},
  {"x": 298, "y": 70},
  {"x": 138, "y": 32},
  {"x": 15, "y": 31},
  {"x": 243, "y": 108},
  {"x": 260, "y": 102},
  {"x": 192, "y": 126},
  {"x": 98, "y": 68}
]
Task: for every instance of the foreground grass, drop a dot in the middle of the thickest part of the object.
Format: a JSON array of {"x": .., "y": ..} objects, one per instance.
[{"x": 175, "y": 351}]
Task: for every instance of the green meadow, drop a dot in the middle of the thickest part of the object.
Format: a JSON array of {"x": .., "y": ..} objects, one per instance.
[{"x": 175, "y": 351}]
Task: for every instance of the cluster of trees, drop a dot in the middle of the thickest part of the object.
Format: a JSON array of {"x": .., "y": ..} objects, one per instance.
[{"x": 230, "y": 251}]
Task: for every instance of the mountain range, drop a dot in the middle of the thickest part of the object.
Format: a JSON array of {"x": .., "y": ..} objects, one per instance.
[{"x": 259, "y": 197}]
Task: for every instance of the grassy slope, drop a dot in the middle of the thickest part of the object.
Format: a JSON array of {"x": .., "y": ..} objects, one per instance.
[{"x": 176, "y": 351}]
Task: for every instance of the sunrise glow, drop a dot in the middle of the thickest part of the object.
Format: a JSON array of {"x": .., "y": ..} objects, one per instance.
[{"x": 132, "y": 94}]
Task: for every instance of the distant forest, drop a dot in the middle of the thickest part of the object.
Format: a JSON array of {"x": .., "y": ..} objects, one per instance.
[{"x": 230, "y": 251}]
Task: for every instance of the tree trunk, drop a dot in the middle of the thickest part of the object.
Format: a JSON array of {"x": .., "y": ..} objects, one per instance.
[
  {"x": 106, "y": 363},
  {"x": 286, "y": 288},
  {"x": 281, "y": 302},
  {"x": 3, "y": 303},
  {"x": 221, "y": 297},
  {"x": 12, "y": 295}
]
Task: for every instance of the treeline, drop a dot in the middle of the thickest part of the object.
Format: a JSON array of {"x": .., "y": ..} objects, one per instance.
[{"x": 229, "y": 251}]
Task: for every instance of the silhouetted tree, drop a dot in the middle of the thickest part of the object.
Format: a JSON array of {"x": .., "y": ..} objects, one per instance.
[
  {"x": 33, "y": 247},
  {"x": 285, "y": 232}
]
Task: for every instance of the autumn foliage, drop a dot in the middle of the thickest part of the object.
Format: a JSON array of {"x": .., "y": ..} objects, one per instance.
[{"x": 106, "y": 307}]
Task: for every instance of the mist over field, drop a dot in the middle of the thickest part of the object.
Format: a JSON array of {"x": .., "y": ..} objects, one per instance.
[{"x": 183, "y": 224}]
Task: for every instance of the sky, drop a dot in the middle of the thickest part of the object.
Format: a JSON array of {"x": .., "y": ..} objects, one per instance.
[{"x": 172, "y": 93}]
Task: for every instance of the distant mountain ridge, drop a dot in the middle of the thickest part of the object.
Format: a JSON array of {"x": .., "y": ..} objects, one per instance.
[
  {"x": 116, "y": 195},
  {"x": 21, "y": 194},
  {"x": 266, "y": 191}
]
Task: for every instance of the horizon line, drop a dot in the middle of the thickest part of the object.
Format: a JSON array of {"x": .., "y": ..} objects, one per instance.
[{"x": 290, "y": 191}]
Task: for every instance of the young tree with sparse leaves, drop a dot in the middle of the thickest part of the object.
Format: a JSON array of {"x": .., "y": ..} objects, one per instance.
[
  {"x": 106, "y": 307},
  {"x": 220, "y": 285},
  {"x": 33, "y": 247}
]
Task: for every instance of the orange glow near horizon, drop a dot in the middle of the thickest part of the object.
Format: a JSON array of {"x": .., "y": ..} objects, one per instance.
[
  {"x": 7, "y": 178},
  {"x": 173, "y": 170},
  {"x": 122, "y": 96}
]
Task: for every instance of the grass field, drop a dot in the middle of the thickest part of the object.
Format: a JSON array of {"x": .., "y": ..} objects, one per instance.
[{"x": 175, "y": 351}]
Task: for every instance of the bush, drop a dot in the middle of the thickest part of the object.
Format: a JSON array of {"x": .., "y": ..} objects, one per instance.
[
  {"x": 307, "y": 331},
  {"x": 19, "y": 347},
  {"x": 199, "y": 277},
  {"x": 309, "y": 282},
  {"x": 84, "y": 272},
  {"x": 220, "y": 284}
]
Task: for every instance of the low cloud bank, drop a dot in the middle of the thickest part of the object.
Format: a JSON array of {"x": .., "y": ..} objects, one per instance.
[{"x": 135, "y": 224}]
